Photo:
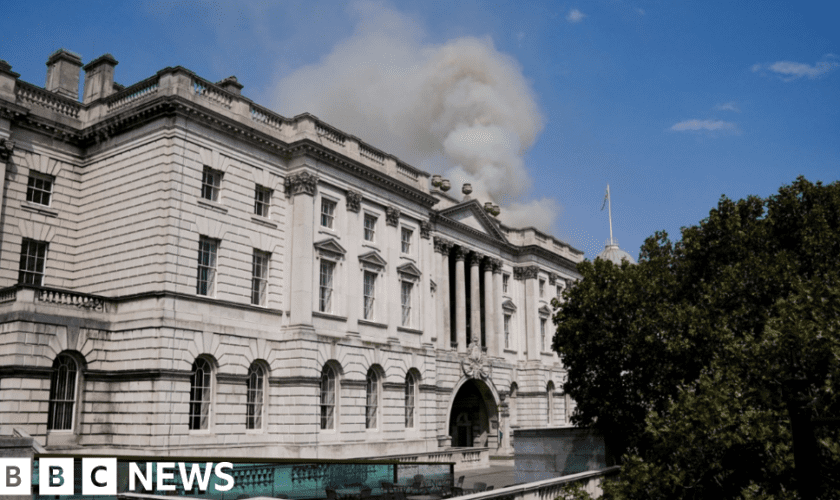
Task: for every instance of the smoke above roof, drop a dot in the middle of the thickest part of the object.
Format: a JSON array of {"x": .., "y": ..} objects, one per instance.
[{"x": 460, "y": 108}]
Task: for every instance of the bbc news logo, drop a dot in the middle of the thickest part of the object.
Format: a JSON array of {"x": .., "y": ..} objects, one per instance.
[{"x": 99, "y": 476}]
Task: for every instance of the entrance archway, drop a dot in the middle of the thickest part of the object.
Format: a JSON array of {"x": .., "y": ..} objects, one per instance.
[{"x": 473, "y": 417}]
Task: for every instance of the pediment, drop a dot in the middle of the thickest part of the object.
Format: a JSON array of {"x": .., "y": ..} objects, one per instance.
[
  {"x": 373, "y": 258},
  {"x": 545, "y": 311},
  {"x": 472, "y": 214},
  {"x": 508, "y": 305},
  {"x": 330, "y": 246},
  {"x": 409, "y": 269}
]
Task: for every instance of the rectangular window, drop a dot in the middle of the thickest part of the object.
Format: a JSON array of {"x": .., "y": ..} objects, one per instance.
[
  {"x": 259, "y": 277},
  {"x": 369, "y": 294},
  {"x": 211, "y": 182},
  {"x": 39, "y": 188},
  {"x": 559, "y": 291},
  {"x": 505, "y": 282},
  {"x": 543, "y": 321},
  {"x": 262, "y": 200},
  {"x": 542, "y": 289},
  {"x": 370, "y": 227},
  {"x": 507, "y": 331},
  {"x": 326, "y": 286},
  {"x": 33, "y": 255},
  {"x": 207, "y": 249},
  {"x": 406, "y": 302},
  {"x": 406, "y": 240},
  {"x": 327, "y": 213}
]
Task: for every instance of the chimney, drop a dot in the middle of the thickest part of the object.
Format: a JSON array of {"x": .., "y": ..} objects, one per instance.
[
  {"x": 63, "y": 73},
  {"x": 99, "y": 78},
  {"x": 232, "y": 85}
]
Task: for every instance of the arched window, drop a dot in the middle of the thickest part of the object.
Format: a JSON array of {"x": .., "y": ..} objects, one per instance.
[
  {"x": 550, "y": 396},
  {"x": 63, "y": 384},
  {"x": 410, "y": 392},
  {"x": 328, "y": 379},
  {"x": 201, "y": 391},
  {"x": 371, "y": 399},
  {"x": 256, "y": 396}
]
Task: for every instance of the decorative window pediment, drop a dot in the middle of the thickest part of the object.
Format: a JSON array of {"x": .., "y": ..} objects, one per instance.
[
  {"x": 409, "y": 270},
  {"x": 545, "y": 311},
  {"x": 373, "y": 261},
  {"x": 509, "y": 306},
  {"x": 330, "y": 248}
]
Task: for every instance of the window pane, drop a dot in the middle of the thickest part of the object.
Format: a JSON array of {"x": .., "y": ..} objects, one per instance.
[
  {"x": 369, "y": 294},
  {"x": 370, "y": 227},
  {"x": 62, "y": 393},
  {"x": 200, "y": 392},
  {"x": 262, "y": 201},
  {"x": 372, "y": 400},
  {"x": 259, "y": 277},
  {"x": 326, "y": 286},
  {"x": 327, "y": 213},
  {"x": 409, "y": 400},
  {"x": 406, "y": 303},
  {"x": 39, "y": 188},
  {"x": 211, "y": 181},
  {"x": 206, "y": 266},
  {"x": 32, "y": 258},
  {"x": 254, "y": 408},
  {"x": 406, "y": 240},
  {"x": 327, "y": 398}
]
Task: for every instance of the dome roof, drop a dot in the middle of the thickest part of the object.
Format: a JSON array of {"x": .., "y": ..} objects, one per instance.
[{"x": 614, "y": 254}]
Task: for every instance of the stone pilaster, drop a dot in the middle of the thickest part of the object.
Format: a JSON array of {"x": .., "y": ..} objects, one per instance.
[
  {"x": 497, "y": 308},
  {"x": 443, "y": 317},
  {"x": 489, "y": 315},
  {"x": 460, "y": 299},
  {"x": 301, "y": 188},
  {"x": 475, "y": 299},
  {"x": 531, "y": 310}
]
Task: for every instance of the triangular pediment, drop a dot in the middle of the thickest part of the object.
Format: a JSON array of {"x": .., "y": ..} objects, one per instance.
[
  {"x": 409, "y": 269},
  {"x": 373, "y": 258},
  {"x": 545, "y": 311},
  {"x": 330, "y": 246},
  {"x": 508, "y": 305},
  {"x": 471, "y": 214}
]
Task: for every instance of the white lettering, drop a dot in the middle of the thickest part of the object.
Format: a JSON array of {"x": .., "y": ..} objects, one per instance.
[{"x": 222, "y": 475}]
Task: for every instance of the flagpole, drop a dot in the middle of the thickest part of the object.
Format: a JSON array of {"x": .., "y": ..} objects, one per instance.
[{"x": 609, "y": 205}]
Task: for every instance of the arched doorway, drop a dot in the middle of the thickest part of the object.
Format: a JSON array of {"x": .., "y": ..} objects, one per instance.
[{"x": 473, "y": 418}]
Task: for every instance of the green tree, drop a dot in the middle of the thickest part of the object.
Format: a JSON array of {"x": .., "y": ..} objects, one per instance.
[{"x": 689, "y": 362}]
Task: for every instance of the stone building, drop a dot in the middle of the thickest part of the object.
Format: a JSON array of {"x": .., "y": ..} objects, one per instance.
[{"x": 185, "y": 271}]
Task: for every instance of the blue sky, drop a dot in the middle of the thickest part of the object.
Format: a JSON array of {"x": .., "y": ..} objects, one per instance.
[{"x": 672, "y": 103}]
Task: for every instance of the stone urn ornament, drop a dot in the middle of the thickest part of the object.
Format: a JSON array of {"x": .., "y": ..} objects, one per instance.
[{"x": 445, "y": 185}]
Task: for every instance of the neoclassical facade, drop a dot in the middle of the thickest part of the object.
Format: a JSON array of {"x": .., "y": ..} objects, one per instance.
[{"x": 187, "y": 272}]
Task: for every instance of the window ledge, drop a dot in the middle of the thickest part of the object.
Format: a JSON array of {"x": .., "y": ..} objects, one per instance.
[
  {"x": 331, "y": 232},
  {"x": 370, "y": 244},
  {"x": 511, "y": 351},
  {"x": 409, "y": 330},
  {"x": 213, "y": 205},
  {"x": 335, "y": 317},
  {"x": 372, "y": 323},
  {"x": 408, "y": 257},
  {"x": 41, "y": 209},
  {"x": 265, "y": 221}
]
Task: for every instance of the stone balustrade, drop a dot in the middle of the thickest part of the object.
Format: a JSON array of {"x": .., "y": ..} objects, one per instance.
[
  {"x": 54, "y": 297},
  {"x": 548, "y": 489},
  {"x": 139, "y": 90},
  {"x": 32, "y": 95},
  {"x": 181, "y": 82}
]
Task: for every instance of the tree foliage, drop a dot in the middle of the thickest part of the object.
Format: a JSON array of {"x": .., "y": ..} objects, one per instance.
[{"x": 689, "y": 362}]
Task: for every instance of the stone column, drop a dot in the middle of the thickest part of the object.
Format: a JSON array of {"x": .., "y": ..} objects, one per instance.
[
  {"x": 442, "y": 275},
  {"x": 531, "y": 310},
  {"x": 489, "y": 311},
  {"x": 301, "y": 188},
  {"x": 460, "y": 300},
  {"x": 497, "y": 307},
  {"x": 475, "y": 299}
]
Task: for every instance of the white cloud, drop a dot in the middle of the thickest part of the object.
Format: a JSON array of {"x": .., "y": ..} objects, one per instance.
[
  {"x": 459, "y": 108},
  {"x": 575, "y": 16},
  {"x": 728, "y": 106},
  {"x": 790, "y": 70},
  {"x": 704, "y": 125}
]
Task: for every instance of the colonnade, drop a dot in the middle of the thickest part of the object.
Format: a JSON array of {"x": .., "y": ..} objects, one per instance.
[{"x": 491, "y": 319}]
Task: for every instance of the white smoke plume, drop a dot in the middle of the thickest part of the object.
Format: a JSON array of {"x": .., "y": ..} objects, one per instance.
[{"x": 461, "y": 108}]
